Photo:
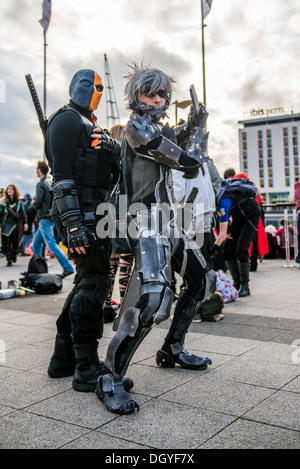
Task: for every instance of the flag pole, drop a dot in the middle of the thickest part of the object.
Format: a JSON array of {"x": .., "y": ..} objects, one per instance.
[
  {"x": 45, "y": 75},
  {"x": 203, "y": 56},
  {"x": 45, "y": 84}
]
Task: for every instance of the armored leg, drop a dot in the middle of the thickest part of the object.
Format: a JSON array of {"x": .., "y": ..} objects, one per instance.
[
  {"x": 152, "y": 256},
  {"x": 86, "y": 318},
  {"x": 63, "y": 361},
  {"x": 86, "y": 314},
  {"x": 200, "y": 285}
]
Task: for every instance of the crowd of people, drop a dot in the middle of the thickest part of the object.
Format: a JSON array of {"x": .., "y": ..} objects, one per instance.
[{"x": 188, "y": 220}]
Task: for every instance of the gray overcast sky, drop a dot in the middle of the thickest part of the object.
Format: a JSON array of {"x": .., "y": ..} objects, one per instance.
[{"x": 252, "y": 60}]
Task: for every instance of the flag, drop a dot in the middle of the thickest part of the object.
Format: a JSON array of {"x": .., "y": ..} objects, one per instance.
[
  {"x": 206, "y": 6},
  {"x": 46, "y": 5}
]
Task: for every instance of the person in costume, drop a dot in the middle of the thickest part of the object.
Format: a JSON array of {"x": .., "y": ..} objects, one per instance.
[
  {"x": 244, "y": 212},
  {"x": 82, "y": 179},
  {"x": 149, "y": 152},
  {"x": 13, "y": 221}
]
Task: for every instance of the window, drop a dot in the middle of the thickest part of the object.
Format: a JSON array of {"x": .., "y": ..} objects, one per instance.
[{"x": 244, "y": 151}]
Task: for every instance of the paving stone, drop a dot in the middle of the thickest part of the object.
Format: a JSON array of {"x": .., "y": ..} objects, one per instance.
[
  {"x": 167, "y": 425},
  {"x": 23, "y": 389},
  {"x": 281, "y": 409},
  {"x": 208, "y": 392},
  {"x": 28, "y": 431},
  {"x": 243, "y": 434}
]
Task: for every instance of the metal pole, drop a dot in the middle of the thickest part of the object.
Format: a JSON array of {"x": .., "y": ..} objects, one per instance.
[
  {"x": 203, "y": 57},
  {"x": 45, "y": 76},
  {"x": 45, "y": 84}
]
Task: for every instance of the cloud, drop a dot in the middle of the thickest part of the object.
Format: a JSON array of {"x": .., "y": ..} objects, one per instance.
[{"x": 251, "y": 52}]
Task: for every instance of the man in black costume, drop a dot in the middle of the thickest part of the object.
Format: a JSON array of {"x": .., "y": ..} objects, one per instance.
[
  {"x": 149, "y": 152},
  {"x": 82, "y": 179}
]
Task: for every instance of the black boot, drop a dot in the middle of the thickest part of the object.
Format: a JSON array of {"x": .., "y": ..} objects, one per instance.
[
  {"x": 234, "y": 269},
  {"x": 89, "y": 368},
  {"x": 244, "y": 290},
  {"x": 63, "y": 361}
]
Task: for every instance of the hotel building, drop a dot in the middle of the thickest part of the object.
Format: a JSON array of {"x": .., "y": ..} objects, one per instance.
[{"x": 269, "y": 151}]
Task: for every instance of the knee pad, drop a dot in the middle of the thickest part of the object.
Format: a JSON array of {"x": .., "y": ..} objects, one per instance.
[
  {"x": 95, "y": 287},
  {"x": 159, "y": 302}
]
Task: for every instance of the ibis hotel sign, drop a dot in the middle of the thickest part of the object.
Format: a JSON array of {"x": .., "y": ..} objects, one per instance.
[{"x": 265, "y": 112}]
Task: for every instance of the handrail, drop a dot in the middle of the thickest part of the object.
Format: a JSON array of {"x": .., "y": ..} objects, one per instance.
[{"x": 280, "y": 204}]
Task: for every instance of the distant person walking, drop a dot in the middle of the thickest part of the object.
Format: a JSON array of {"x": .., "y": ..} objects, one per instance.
[{"x": 45, "y": 232}]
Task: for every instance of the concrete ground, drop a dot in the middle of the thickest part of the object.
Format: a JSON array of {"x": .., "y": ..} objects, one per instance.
[{"x": 248, "y": 398}]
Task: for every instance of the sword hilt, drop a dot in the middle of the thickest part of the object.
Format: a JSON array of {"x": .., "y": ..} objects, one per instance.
[{"x": 36, "y": 103}]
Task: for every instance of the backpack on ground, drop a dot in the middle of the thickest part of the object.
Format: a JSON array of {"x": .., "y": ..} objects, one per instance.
[
  {"x": 38, "y": 279},
  {"x": 43, "y": 283},
  {"x": 211, "y": 310},
  {"x": 244, "y": 186},
  {"x": 37, "y": 265}
]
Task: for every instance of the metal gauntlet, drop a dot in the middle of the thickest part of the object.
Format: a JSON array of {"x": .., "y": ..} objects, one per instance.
[
  {"x": 167, "y": 153},
  {"x": 65, "y": 195},
  {"x": 140, "y": 131},
  {"x": 196, "y": 147}
]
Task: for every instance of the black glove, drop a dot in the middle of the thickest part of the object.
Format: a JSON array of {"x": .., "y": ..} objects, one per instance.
[
  {"x": 196, "y": 120},
  {"x": 169, "y": 132},
  {"x": 213, "y": 250},
  {"x": 77, "y": 237},
  {"x": 109, "y": 144}
]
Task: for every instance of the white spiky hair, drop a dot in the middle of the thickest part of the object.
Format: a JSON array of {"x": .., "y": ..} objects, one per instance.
[{"x": 144, "y": 79}]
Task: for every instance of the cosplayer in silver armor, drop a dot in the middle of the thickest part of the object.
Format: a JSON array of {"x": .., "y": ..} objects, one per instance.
[{"x": 149, "y": 152}]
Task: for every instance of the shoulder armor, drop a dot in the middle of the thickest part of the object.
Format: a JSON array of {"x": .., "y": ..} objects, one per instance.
[{"x": 140, "y": 130}]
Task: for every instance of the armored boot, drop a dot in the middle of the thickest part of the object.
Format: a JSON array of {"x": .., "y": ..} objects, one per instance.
[
  {"x": 112, "y": 392},
  {"x": 244, "y": 290},
  {"x": 89, "y": 368},
  {"x": 234, "y": 269},
  {"x": 173, "y": 350},
  {"x": 176, "y": 353},
  {"x": 62, "y": 362}
]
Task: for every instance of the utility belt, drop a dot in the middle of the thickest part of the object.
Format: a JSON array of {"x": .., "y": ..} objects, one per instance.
[{"x": 89, "y": 199}]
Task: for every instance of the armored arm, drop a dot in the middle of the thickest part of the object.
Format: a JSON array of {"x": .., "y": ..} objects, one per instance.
[
  {"x": 65, "y": 196},
  {"x": 147, "y": 139}
]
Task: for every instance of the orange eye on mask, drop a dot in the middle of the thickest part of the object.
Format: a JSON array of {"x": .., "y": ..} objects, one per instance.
[{"x": 97, "y": 93}]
